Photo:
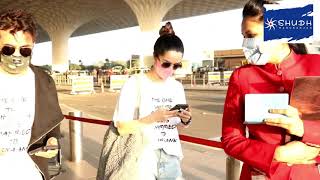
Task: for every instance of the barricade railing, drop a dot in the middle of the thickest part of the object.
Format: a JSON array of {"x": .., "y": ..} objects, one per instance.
[
  {"x": 232, "y": 165},
  {"x": 206, "y": 79},
  {"x": 186, "y": 138}
]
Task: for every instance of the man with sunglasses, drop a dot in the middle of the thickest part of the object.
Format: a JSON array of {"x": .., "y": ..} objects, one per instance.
[{"x": 29, "y": 110}]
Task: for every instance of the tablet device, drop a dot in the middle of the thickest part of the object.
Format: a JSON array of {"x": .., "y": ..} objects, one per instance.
[{"x": 258, "y": 105}]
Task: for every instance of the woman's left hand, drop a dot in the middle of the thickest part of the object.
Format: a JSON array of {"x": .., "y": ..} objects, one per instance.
[
  {"x": 292, "y": 122},
  {"x": 296, "y": 152},
  {"x": 50, "y": 153},
  {"x": 185, "y": 115}
]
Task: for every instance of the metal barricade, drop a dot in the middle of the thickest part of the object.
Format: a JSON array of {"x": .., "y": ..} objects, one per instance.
[
  {"x": 75, "y": 134},
  {"x": 233, "y": 166}
]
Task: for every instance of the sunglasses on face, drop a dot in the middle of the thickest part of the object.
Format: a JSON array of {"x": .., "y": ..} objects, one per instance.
[
  {"x": 167, "y": 64},
  {"x": 9, "y": 50}
]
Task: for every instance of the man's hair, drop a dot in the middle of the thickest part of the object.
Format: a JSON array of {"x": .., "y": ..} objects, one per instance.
[{"x": 18, "y": 20}]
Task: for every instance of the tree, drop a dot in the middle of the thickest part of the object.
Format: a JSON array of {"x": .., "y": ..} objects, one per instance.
[
  {"x": 82, "y": 67},
  {"x": 108, "y": 65},
  {"x": 90, "y": 68},
  {"x": 47, "y": 68},
  {"x": 128, "y": 63},
  {"x": 74, "y": 67}
]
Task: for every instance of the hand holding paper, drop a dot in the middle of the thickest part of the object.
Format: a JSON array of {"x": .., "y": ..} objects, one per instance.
[{"x": 291, "y": 122}]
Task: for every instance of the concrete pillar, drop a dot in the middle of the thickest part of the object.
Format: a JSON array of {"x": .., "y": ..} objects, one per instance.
[
  {"x": 145, "y": 48},
  {"x": 233, "y": 168},
  {"x": 60, "y": 26},
  {"x": 60, "y": 51},
  {"x": 149, "y": 14}
]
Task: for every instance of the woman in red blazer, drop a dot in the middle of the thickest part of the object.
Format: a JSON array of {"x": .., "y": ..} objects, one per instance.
[{"x": 266, "y": 151}]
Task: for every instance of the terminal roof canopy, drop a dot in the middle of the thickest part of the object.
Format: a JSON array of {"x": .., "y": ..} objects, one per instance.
[{"x": 82, "y": 17}]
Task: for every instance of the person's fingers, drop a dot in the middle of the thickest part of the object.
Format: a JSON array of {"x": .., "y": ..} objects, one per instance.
[
  {"x": 185, "y": 112},
  {"x": 301, "y": 162},
  {"x": 52, "y": 141},
  {"x": 290, "y": 112},
  {"x": 278, "y": 111},
  {"x": 53, "y": 152},
  {"x": 313, "y": 150},
  {"x": 47, "y": 154},
  {"x": 308, "y": 162},
  {"x": 175, "y": 113},
  {"x": 189, "y": 109},
  {"x": 161, "y": 109},
  {"x": 184, "y": 116},
  {"x": 285, "y": 126},
  {"x": 273, "y": 120},
  {"x": 279, "y": 122},
  {"x": 169, "y": 114}
]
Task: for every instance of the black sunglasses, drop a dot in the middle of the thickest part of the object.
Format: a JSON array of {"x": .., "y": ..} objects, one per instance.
[
  {"x": 167, "y": 64},
  {"x": 9, "y": 50}
]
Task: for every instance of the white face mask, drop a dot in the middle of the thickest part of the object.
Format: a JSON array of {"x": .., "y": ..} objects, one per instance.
[
  {"x": 14, "y": 64},
  {"x": 254, "y": 52}
]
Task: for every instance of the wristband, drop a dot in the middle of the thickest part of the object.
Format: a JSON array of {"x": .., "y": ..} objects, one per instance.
[{"x": 186, "y": 123}]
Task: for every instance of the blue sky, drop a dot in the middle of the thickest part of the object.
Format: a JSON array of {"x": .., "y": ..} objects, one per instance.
[{"x": 218, "y": 31}]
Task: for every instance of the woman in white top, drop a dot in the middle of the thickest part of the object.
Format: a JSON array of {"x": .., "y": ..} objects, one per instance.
[{"x": 158, "y": 92}]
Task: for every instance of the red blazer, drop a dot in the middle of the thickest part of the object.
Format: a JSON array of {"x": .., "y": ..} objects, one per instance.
[{"x": 257, "y": 150}]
